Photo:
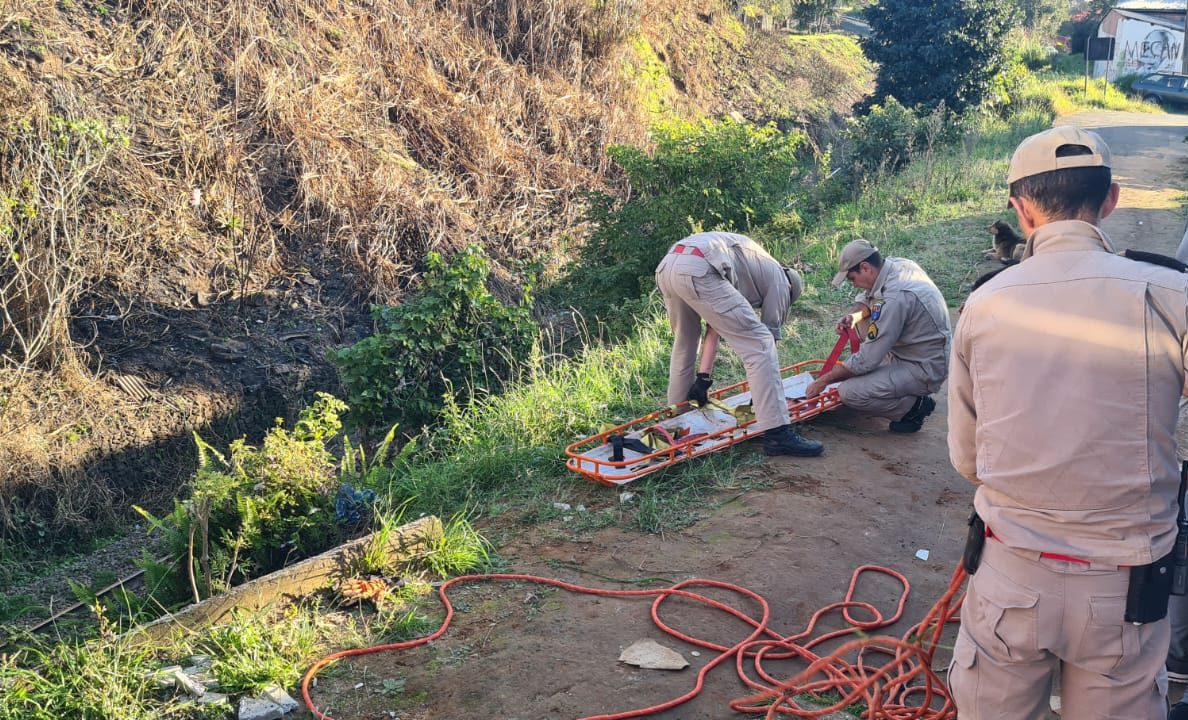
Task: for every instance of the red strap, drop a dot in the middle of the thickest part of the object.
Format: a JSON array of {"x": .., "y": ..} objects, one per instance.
[
  {"x": 1051, "y": 556},
  {"x": 850, "y": 334}
]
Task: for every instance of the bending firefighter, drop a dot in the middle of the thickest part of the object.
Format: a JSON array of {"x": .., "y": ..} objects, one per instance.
[
  {"x": 905, "y": 351},
  {"x": 743, "y": 295}
]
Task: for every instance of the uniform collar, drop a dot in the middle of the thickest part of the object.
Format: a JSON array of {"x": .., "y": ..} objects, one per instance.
[
  {"x": 885, "y": 273},
  {"x": 1067, "y": 236}
]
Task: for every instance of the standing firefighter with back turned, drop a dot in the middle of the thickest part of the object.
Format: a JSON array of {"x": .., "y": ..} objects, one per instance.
[{"x": 1063, "y": 388}]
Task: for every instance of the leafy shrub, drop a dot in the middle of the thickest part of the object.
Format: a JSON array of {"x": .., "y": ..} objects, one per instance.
[
  {"x": 1008, "y": 86},
  {"x": 1035, "y": 55},
  {"x": 257, "y": 510},
  {"x": 452, "y": 337},
  {"x": 701, "y": 176},
  {"x": 1125, "y": 83},
  {"x": 889, "y": 135}
]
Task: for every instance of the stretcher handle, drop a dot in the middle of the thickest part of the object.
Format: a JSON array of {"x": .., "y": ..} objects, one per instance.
[{"x": 848, "y": 334}]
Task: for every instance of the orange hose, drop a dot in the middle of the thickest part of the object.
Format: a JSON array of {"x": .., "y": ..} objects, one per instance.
[{"x": 891, "y": 691}]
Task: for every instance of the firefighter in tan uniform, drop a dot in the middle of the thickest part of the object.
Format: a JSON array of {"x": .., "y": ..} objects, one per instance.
[
  {"x": 906, "y": 332},
  {"x": 1063, "y": 388},
  {"x": 723, "y": 278}
]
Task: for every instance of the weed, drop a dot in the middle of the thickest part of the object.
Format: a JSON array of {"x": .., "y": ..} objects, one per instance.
[
  {"x": 374, "y": 559},
  {"x": 452, "y": 657},
  {"x": 828, "y": 699},
  {"x": 253, "y": 652},
  {"x": 459, "y": 549},
  {"x": 393, "y": 686},
  {"x": 92, "y": 680},
  {"x": 15, "y": 607}
]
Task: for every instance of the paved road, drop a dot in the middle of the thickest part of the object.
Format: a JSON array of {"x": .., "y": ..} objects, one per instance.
[
  {"x": 854, "y": 26},
  {"x": 1151, "y": 164}
]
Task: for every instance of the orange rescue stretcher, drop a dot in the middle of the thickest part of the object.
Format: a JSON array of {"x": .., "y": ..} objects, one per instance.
[{"x": 658, "y": 440}]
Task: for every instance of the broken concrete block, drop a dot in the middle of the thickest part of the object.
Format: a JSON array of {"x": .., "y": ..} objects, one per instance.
[
  {"x": 651, "y": 655},
  {"x": 192, "y": 687},
  {"x": 163, "y": 678},
  {"x": 275, "y": 694},
  {"x": 214, "y": 698},
  {"x": 202, "y": 662},
  {"x": 259, "y": 709}
]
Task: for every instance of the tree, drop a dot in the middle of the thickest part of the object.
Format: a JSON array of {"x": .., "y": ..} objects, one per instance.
[
  {"x": 814, "y": 14},
  {"x": 934, "y": 51},
  {"x": 1043, "y": 15}
]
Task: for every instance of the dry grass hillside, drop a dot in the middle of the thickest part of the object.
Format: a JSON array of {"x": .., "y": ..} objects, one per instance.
[{"x": 197, "y": 199}]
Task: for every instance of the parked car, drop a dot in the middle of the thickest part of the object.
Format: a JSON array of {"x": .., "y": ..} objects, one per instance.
[{"x": 1162, "y": 88}]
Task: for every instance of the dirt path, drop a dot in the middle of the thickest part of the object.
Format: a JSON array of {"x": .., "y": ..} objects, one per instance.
[
  {"x": 873, "y": 498},
  {"x": 1151, "y": 163}
]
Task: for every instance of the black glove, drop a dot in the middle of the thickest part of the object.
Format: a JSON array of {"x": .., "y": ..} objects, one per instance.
[{"x": 697, "y": 393}]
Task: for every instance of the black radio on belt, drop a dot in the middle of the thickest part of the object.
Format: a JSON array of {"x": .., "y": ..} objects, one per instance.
[
  {"x": 1150, "y": 585},
  {"x": 975, "y": 540}
]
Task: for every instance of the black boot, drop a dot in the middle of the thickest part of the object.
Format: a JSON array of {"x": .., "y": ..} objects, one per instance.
[
  {"x": 914, "y": 419},
  {"x": 784, "y": 440}
]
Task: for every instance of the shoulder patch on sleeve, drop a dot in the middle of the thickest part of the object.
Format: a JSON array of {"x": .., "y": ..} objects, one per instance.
[
  {"x": 872, "y": 332},
  {"x": 876, "y": 309}
]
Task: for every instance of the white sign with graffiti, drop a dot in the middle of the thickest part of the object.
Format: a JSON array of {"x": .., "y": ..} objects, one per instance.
[{"x": 1141, "y": 48}]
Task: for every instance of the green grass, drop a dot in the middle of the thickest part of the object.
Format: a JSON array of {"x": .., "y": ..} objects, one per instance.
[{"x": 1063, "y": 94}]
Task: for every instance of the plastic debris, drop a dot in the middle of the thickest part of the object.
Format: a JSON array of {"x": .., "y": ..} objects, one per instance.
[
  {"x": 351, "y": 505},
  {"x": 355, "y": 590},
  {"x": 921, "y": 554}
]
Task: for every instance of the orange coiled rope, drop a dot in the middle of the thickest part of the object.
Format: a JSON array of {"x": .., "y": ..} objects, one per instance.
[{"x": 905, "y": 687}]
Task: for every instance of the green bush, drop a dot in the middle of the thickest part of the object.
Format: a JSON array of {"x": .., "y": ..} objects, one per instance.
[
  {"x": 452, "y": 338},
  {"x": 1125, "y": 83},
  {"x": 701, "y": 176},
  {"x": 255, "y": 510},
  {"x": 889, "y": 135}
]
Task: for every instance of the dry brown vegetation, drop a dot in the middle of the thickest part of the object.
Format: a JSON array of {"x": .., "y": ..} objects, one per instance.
[{"x": 177, "y": 175}]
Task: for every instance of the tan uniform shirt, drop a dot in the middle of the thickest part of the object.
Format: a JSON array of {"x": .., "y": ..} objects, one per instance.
[
  {"x": 908, "y": 321},
  {"x": 750, "y": 269},
  {"x": 1063, "y": 393}
]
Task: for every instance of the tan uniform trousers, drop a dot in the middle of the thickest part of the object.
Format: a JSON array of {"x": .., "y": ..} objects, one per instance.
[
  {"x": 1026, "y": 618},
  {"x": 689, "y": 299},
  {"x": 889, "y": 391}
]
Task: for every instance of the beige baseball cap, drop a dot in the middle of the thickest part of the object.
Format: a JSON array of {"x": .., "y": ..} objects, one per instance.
[
  {"x": 1039, "y": 153},
  {"x": 853, "y": 253}
]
